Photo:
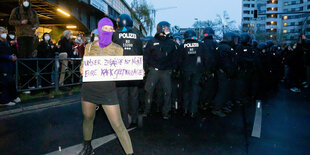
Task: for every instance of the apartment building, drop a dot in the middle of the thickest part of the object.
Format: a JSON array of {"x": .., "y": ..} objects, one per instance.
[{"x": 280, "y": 27}]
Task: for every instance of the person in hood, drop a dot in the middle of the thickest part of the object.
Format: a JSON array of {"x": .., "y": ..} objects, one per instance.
[{"x": 102, "y": 93}]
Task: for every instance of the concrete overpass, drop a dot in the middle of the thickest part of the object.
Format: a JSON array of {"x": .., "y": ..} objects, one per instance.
[{"x": 77, "y": 15}]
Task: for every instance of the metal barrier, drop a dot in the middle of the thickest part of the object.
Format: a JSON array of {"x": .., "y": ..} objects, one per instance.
[{"x": 43, "y": 73}]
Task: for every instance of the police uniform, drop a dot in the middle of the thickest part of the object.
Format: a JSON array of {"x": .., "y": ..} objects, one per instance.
[
  {"x": 192, "y": 59},
  {"x": 210, "y": 82},
  {"x": 225, "y": 74},
  {"x": 160, "y": 60},
  {"x": 127, "y": 91}
]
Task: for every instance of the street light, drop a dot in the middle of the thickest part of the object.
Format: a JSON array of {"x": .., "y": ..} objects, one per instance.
[
  {"x": 63, "y": 12},
  {"x": 71, "y": 27}
]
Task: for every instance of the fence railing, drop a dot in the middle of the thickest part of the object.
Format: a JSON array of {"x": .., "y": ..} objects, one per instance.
[{"x": 47, "y": 73}]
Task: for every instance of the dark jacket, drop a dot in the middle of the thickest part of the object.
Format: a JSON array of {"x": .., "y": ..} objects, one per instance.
[
  {"x": 227, "y": 59},
  {"x": 45, "y": 49},
  {"x": 66, "y": 46},
  {"x": 160, "y": 53},
  {"x": 130, "y": 41},
  {"x": 245, "y": 57},
  {"x": 192, "y": 56},
  {"x": 20, "y": 13},
  {"x": 212, "y": 63},
  {"x": 6, "y": 64},
  {"x": 132, "y": 45}
]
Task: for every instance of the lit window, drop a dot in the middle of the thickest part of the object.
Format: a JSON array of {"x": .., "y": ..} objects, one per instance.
[
  {"x": 285, "y": 17},
  {"x": 252, "y": 25},
  {"x": 284, "y": 31},
  {"x": 285, "y": 24},
  {"x": 271, "y": 36}
]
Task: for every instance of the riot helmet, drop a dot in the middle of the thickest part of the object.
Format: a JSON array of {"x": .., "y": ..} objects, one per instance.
[
  {"x": 228, "y": 37},
  {"x": 124, "y": 22},
  {"x": 254, "y": 43},
  {"x": 269, "y": 43},
  {"x": 245, "y": 38},
  {"x": 231, "y": 38},
  {"x": 208, "y": 32},
  {"x": 262, "y": 47},
  {"x": 190, "y": 35},
  {"x": 163, "y": 27}
]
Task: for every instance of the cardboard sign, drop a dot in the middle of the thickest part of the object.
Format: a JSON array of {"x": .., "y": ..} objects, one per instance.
[{"x": 112, "y": 68}]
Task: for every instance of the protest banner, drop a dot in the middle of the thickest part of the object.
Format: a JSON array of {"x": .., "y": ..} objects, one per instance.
[{"x": 112, "y": 68}]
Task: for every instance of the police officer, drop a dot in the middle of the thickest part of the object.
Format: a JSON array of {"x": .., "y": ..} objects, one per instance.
[
  {"x": 254, "y": 44},
  {"x": 225, "y": 73},
  {"x": 245, "y": 62},
  {"x": 269, "y": 66},
  {"x": 192, "y": 59},
  {"x": 127, "y": 91},
  {"x": 160, "y": 59},
  {"x": 256, "y": 78},
  {"x": 176, "y": 80},
  {"x": 209, "y": 83},
  {"x": 276, "y": 66},
  {"x": 265, "y": 67}
]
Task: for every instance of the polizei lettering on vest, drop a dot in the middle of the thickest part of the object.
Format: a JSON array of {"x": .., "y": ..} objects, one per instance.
[
  {"x": 127, "y": 36},
  {"x": 191, "y": 45}
]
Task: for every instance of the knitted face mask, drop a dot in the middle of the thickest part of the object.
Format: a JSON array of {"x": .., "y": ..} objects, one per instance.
[{"x": 105, "y": 38}]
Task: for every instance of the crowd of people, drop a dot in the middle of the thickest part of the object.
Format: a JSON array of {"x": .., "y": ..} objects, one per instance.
[{"x": 24, "y": 42}]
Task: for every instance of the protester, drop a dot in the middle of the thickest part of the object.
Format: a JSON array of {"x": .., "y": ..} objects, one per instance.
[
  {"x": 46, "y": 49},
  {"x": 8, "y": 96},
  {"x": 26, "y": 21},
  {"x": 66, "y": 51},
  {"x": 11, "y": 38},
  {"x": 94, "y": 35},
  {"x": 103, "y": 93},
  {"x": 79, "y": 39}
]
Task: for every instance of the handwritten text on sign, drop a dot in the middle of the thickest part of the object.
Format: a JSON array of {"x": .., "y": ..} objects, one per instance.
[{"x": 112, "y": 68}]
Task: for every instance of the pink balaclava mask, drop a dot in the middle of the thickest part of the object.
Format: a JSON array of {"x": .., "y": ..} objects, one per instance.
[{"x": 105, "y": 38}]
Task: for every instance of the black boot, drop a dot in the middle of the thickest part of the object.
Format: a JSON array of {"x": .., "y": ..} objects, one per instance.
[{"x": 87, "y": 148}]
